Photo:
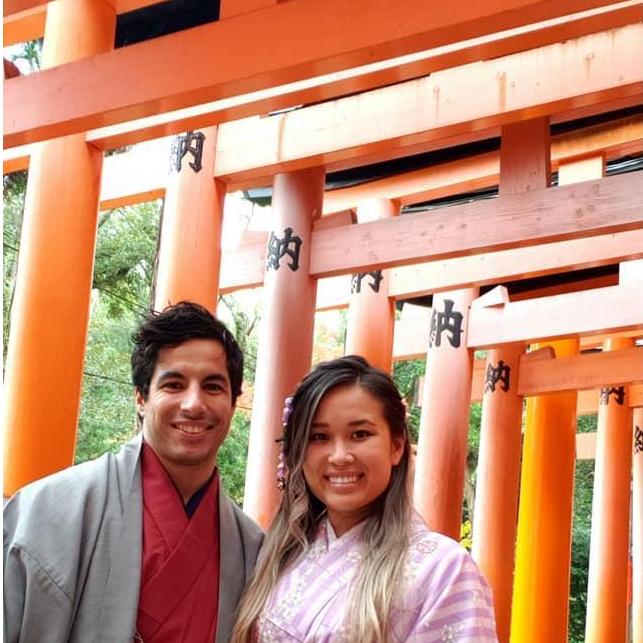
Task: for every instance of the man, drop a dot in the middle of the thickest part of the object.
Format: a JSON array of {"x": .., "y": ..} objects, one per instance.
[{"x": 142, "y": 545}]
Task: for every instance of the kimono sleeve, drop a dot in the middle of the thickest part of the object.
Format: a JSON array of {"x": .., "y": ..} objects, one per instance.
[
  {"x": 457, "y": 603},
  {"x": 35, "y": 607}
]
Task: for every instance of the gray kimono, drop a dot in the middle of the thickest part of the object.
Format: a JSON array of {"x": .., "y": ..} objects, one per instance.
[{"x": 72, "y": 554}]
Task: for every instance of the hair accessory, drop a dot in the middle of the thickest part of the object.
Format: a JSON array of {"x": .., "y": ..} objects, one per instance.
[{"x": 281, "y": 459}]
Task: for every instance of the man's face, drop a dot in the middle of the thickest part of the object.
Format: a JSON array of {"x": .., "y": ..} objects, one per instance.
[{"x": 187, "y": 413}]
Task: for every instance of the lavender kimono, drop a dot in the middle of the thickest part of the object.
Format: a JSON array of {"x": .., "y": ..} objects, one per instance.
[{"x": 444, "y": 597}]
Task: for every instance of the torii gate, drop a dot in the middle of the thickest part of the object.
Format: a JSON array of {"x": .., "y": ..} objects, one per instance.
[{"x": 510, "y": 68}]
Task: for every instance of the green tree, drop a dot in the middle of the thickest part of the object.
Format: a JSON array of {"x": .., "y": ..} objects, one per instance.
[{"x": 581, "y": 530}]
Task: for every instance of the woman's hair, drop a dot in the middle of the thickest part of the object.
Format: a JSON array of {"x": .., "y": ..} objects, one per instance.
[{"x": 385, "y": 533}]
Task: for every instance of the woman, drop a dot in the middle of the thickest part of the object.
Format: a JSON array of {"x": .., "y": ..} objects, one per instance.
[{"x": 347, "y": 558}]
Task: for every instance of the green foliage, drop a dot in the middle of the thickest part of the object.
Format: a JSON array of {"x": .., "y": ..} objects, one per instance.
[
  {"x": 107, "y": 417},
  {"x": 233, "y": 455},
  {"x": 31, "y": 52},
  {"x": 125, "y": 250},
  {"x": 583, "y": 488},
  {"x": 406, "y": 376},
  {"x": 124, "y": 265},
  {"x": 13, "y": 192}
]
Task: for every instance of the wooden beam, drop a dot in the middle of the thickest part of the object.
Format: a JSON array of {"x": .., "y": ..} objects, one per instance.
[
  {"x": 614, "y": 140},
  {"x": 24, "y": 20},
  {"x": 586, "y": 446},
  {"x": 177, "y": 83},
  {"x": 447, "y": 274},
  {"x": 591, "y": 208},
  {"x": 584, "y": 371},
  {"x": 244, "y": 265},
  {"x": 601, "y": 310},
  {"x": 533, "y": 83}
]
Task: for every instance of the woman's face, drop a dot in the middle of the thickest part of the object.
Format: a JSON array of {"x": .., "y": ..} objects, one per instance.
[{"x": 350, "y": 454}]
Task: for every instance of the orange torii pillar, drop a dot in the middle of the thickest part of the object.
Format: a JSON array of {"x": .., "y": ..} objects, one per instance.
[
  {"x": 524, "y": 166},
  {"x": 438, "y": 486},
  {"x": 637, "y": 527},
  {"x": 51, "y": 306},
  {"x": 286, "y": 337},
  {"x": 371, "y": 314},
  {"x": 607, "y": 602},
  {"x": 543, "y": 545},
  {"x": 190, "y": 247},
  {"x": 496, "y": 503}
]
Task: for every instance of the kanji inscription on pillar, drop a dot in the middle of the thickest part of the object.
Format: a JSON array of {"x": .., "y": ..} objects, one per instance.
[
  {"x": 288, "y": 246},
  {"x": 617, "y": 393},
  {"x": 448, "y": 321},
  {"x": 497, "y": 374},
  {"x": 189, "y": 143},
  {"x": 376, "y": 278},
  {"x": 638, "y": 440}
]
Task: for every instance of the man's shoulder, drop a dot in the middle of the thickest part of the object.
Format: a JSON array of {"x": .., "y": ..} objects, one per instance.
[
  {"x": 69, "y": 490},
  {"x": 251, "y": 534}
]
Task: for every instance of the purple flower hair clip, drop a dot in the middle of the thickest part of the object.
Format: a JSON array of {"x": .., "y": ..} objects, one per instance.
[{"x": 281, "y": 460}]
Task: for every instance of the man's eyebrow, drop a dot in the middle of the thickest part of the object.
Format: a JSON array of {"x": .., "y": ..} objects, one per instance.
[
  {"x": 166, "y": 375},
  {"x": 216, "y": 377}
]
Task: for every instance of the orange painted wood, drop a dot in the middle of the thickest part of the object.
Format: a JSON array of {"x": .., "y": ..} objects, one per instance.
[
  {"x": 133, "y": 176},
  {"x": 543, "y": 545},
  {"x": 243, "y": 266},
  {"x": 637, "y": 527},
  {"x": 607, "y": 591},
  {"x": 524, "y": 166},
  {"x": 595, "y": 207},
  {"x": 190, "y": 245},
  {"x": 434, "y": 108},
  {"x": 23, "y": 26},
  {"x": 615, "y": 139},
  {"x": 412, "y": 336},
  {"x": 231, "y": 8},
  {"x": 586, "y": 443},
  {"x": 371, "y": 314},
  {"x": 442, "y": 445},
  {"x": 24, "y": 20},
  {"x": 51, "y": 305},
  {"x": 418, "y": 27},
  {"x": 596, "y": 341},
  {"x": 586, "y": 371},
  {"x": 286, "y": 337},
  {"x": 600, "y": 310},
  {"x": 498, "y": 477}
]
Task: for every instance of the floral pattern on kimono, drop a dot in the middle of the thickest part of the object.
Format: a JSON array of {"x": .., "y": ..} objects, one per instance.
[{"x": 443, "y": 595}]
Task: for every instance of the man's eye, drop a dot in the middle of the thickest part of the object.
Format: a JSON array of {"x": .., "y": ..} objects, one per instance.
[
  {"x": 213, "y": 386},
  {"x": 171, "y": 385}
]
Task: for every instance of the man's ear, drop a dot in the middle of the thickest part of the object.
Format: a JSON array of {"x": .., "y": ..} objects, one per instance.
[{"x": 140, "y": 403}]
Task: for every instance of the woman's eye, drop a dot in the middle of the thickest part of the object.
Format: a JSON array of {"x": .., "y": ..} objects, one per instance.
[
  {"x": 361, "y": 434},
  {"x": 317, "y": 437}
]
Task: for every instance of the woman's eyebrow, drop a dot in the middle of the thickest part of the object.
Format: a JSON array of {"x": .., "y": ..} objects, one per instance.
[{"x": 361, "y": 422}]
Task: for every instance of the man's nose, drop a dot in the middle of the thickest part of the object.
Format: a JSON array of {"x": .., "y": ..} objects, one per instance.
[{"x": 193, "y": 400}]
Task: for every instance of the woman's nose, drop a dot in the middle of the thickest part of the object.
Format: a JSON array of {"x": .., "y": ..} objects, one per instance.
[{"x": 341, "y": 453}]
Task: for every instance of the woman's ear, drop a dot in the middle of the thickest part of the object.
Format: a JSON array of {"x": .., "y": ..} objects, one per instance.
[{"x": 397, "y": 450}]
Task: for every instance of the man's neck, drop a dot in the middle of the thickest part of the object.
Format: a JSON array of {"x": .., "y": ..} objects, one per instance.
[{"x": 188, "y": 479}]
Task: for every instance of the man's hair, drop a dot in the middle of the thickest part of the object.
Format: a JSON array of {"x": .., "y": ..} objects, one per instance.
[
  {"x": 173, "y": 326},
  {"x": 385, "y": 534}
]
